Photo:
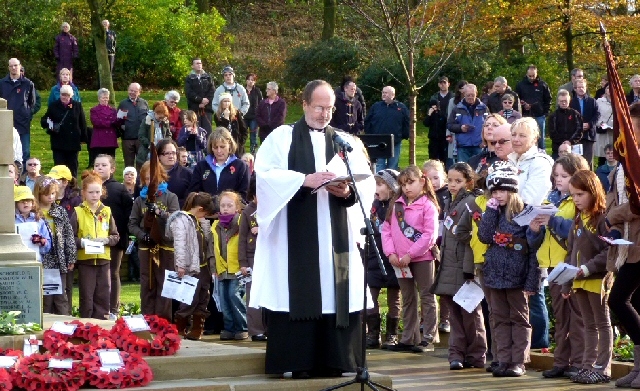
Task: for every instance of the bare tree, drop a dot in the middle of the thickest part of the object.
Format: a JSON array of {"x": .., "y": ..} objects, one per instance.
[
  {"x": 99, "y": 37},
  {"x": 409, "y": 27}
]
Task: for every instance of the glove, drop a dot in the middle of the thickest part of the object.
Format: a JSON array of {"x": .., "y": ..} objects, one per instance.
[
  {"x": 469, "y": 276},
  {"x": 493, "y": 204},
  {"x": 614, "y": 234},
  {"x": 151, "y": 206},
  {"x": 148, "y": 241}
]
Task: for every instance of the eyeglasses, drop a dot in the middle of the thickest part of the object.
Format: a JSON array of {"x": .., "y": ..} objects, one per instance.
[
  {"x": 320, "y": 109},
  {"x": 33, "y": 164},
  {"x": 507, "y": 102},
  {"x": 168, "y": 154},
  {"x": 501, "y": 142}
]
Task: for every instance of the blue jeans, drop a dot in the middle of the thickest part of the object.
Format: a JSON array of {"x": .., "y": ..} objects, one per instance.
[
  {"x": 253, "y": 132},
  {"x": 539, "y": 320},
  {"x": 465, "y": 153},
  {"x": 234, "y": 311},
  {"x": 542, "y": 123},
  {"x": 391, "y": 162},
  {"x": 25, "y": 139}
]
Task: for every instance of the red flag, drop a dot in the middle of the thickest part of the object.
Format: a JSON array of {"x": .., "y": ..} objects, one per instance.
[{"x": 624, "y": 141}]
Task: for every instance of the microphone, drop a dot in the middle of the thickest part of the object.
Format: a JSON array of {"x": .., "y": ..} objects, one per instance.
[{"x": 341, "y": 142}]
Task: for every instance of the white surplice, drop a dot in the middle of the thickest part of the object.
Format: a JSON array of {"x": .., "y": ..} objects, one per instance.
[{"x": 276, "y": 185}]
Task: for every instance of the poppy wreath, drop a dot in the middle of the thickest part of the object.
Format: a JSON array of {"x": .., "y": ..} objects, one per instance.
[
  {"x": 135, "y": 372},
  {"x": 33, "y": 373},
  {"x": 92, "y": 336},
  {"x": 166, "y": 341},
  {"x": 7, "y": 375}
]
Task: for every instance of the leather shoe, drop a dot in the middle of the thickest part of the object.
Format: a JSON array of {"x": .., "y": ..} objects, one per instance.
[
  {"x": 554, "y": 372},
  {"x": 491, "y": 367},
  {"x": 259, "y": 338},
  {"x": 515, "y": 370},
  {"x": 500, "y": 370},
  {"x": 455, "y": 365}
]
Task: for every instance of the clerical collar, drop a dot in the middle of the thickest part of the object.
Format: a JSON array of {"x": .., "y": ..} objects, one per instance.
[{"x": 316, "y": 130}]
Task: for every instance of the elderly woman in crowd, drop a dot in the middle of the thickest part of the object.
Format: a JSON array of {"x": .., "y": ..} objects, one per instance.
[
  {"x": 229, "y": 117},
  {"x": 171, "y": 99},
  {"x": 66, "y": 125},
  {"x": 271, "y": 112},
  {"x": 485, "y": 159},
  {"x": 534, "y": 175},
  {"x": 104, "y": 139},
  {"x": 154, "y": 128},
  {"x": 65, "y": 79},
  {"x": 604, "y": 126}
]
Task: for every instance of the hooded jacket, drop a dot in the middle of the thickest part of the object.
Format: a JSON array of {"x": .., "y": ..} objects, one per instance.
[
  {"x": 186, "y": 254},
  {"x": 534, "y": 174},
  {"x": 460, "y": 115},
  {"x": 535, "y": 93}
]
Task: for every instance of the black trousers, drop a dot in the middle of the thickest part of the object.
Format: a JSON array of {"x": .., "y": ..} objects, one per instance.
[
  {"x": 438, "y": 149},
  {"x": 68, "y": 158},
  {"x": 624, "y": 299},
  {"x": 312, "y": 345}
]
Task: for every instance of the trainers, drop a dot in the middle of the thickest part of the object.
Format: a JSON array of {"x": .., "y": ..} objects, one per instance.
[
  {"x": 591, "y": 377},
  {"x": 444, "y": 327},
  {"x": 113, "y": 317},
  {"x": 500, "y": 370},
  {"x": 491, "y": 367},
  {"x": 571, "y": 371},
  {"x": 422, "y": 347},
  {"x": 259, "y": 338},
  {"x": 401, "y": 347},
  {"x": 554, "y": 372},
  {"x": 515, "y": 370},
  {"x": 578, "y": 374},
  {"x": 241, "y": 336},
  {"x": 226, "y": 335},
  {"x": 392, "y": 340}
]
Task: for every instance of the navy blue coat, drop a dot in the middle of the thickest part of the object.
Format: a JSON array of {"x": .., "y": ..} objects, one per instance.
[
  {"x": 234, "y": 177},
  {"x": 388, "y": 119},
  {"x": 179, "y": 182},
  {"x": 589, "y": 114},
  {"x": 21, "y": 97}
]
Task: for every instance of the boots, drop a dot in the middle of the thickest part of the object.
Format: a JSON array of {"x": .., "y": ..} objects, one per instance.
[
  {"x": 181, "y": 325},
  {"x": 391, "y": 338},
  {"x": 632, "y": 380},
  {"x": 373, "y": 331},
  {"x": 196, "y": 328}
]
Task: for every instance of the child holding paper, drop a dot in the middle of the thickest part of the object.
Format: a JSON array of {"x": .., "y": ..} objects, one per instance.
[
  {"x": 63, "y": 252},
  {"x": 151, "y": 273},
  {"x": 510, "y": 270},
  {"x": 27, "y": 212},
  {"x": 191, "y": 234},
  {"x": 467, "y": 341},
  {"x": 93, "y": 224},
  {"x": 592, "y": 283},
  {"x": 550, "y": 233},
  {"x": 226, "y": 244},
  {"x": 409, "y": 234}
]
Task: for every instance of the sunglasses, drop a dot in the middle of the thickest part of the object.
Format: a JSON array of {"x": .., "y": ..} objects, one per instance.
[{"x": 501, "y": 142}]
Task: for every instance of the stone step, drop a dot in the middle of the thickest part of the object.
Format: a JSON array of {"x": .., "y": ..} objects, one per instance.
[{"x": 260, "y": 383}]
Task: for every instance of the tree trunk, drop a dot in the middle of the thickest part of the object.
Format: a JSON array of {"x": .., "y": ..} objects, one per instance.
[
  {"x": 568, "y": 35},
  {"x": 99, "y": 38},
  {"x": 413, "y": 107},
  {"x": 203, "y": 6},
  {"x": 329, "y": 19}
]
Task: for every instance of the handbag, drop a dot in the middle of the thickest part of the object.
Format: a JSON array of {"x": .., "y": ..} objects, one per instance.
[
  {"x": 56, "y": 126},
  {"x": 600, "y": 130}
]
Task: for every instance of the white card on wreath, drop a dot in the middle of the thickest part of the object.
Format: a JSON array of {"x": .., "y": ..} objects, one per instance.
[
  {"x": 63, "y": 328},
  {"x": 61, "y": 364},
  {"x": 136, "y": 323},
  {"x": 8, "y": 361},
  {"x": 110, "y": 358}
]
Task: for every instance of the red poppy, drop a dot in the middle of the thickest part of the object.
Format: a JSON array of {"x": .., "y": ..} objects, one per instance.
[{"x": 232, "y": 169}]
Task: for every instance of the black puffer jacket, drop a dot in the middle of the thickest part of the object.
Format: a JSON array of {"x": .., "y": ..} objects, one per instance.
[
  {"x": 120, "y": 202},
  {"x": 375, "y": 277}
]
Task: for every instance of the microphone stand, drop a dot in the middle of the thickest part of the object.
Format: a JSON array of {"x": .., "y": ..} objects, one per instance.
[{"x": 362, "y": 373}]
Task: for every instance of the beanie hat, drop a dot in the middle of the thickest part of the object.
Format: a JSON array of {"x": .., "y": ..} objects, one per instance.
[
  {"x": 228, "y": 69},
  {"x": 223, "y": 96},
  {"x": 129, "y": 169},
  {"x": 502, "y": 176},
  {"x": 390, "y": 177}
]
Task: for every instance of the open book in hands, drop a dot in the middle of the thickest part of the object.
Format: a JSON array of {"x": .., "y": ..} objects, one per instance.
[{"x": 340, "y": 179}]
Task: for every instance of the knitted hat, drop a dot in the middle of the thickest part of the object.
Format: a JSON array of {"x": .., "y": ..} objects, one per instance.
[
  {"x": 390, "y": 177},
  {"x": 228, "y": 69},
  {"x": 22, "y": 193},
  {"x": 60, "y": 172},
  {"x": 129, "y": 169},
  {"x": 223, "y": 96},
  {"x": 502, "y": 176}
]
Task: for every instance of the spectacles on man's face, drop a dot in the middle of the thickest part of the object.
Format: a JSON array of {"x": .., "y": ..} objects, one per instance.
[
  {"x": 169, "y": 153},
  {"x": 33, "y": 164},
  {"x": 500, "y": 142},
  {"x": 320, "y": 109}
]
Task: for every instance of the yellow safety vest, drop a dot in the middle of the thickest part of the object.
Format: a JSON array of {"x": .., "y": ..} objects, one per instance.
[{"x": 91, "y": 226}]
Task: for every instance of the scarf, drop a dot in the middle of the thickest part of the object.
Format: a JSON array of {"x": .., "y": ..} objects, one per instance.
[
  {"x": 305, "y": 293},
  {"x": 225, "y": 220},
  {"x": 162, "y": 189}
]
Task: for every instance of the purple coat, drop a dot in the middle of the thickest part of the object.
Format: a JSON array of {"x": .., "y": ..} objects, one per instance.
[
  {"x": 104, "y": 120},
  {"x": 65, "y": 50}
]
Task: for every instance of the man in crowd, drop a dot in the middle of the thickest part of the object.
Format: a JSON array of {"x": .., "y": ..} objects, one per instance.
[
  {"x": 238, "y": 92},
  {"x": 634, "y": 95},
  {"x": 111, "y": 43},
  {"x": 134, "y": 109},
  {"x": 502, "y": 138},
  {"x": 65, "y": 49},
  {"x": 388, "y": 116},
  {"x": 610, "y": 164},
  {"x": 588, "y": 109},
  {"x": 576, "y": 74},
  {"x": 348, "y": 115},
  {"x": 20, "y": 94},
  {"x": 495, "y": 99},
  {"x": 33, "y": 172},
  {"x": 271, "y": 111},
  {"x": 436, "y": 120},
  {"x": 199, "y": 88},
  {"x": 466, "y": 120},
  {"x": 313, "y": 293},
  {"x": 535, "y": 100}
]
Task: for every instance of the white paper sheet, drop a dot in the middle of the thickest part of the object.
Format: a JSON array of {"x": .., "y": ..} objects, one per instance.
[
  {"x": 577, "y": 149},
  {"x": 469, "y": 296},
  {"x": 136, "y": 323},
  {"x": 530, "y": 212},
  {"x": 110, "y": 358},
  {"x": 49, "y": 123},
  {"x": 63, "y": 328},
  {"x": 7, "y": 361},
  {"x": 91, "y": 247},
  {"x": 339, "y": 179},
  {"x": 62, "y": 364},
  {"x": 215, "y": 293},
  {"x": 121, "y": 114},
  {"x": 26, "y": 230},
  {"x": 52, "y": 284},
  {"x": 175, "y": 288},
  {"x": 615, "y": 242},
  {"x": 402, "y": 272},
  {"x": 562, "y": 273}
]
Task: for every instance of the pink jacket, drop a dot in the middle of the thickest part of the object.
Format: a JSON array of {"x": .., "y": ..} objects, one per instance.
[{"x": 422, "y": 215}]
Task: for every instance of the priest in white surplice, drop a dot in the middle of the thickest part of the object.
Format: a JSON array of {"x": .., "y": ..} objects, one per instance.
[{"x": 308, "y": 273}]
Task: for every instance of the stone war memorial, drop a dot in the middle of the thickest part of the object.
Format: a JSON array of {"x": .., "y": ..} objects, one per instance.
[{"x": 20, "y": 272}]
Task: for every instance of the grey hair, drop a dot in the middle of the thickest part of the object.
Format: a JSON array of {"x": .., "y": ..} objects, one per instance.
[
  {"x": 633, "y": 78},
  {"x": 576, "y": 70},
  {"x": 65, "y": 24},
  {"x": 471, "y": 86},
  {"x": 564, "y": 93},
  {"x": 66, "y": 89},
  {"x": 501, "y": 79},
  {"x": 102, "y": 92},
  {"x": 173, "y": 94},
  {"x": 528, "y": 123},
  {"x": 273, "y": 85}
]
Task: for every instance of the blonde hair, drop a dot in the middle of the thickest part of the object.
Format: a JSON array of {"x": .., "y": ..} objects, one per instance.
[
  {"x": 233, "y": 111},
  {"x": 434, "y": 164},
  {"x": 514, "y": 205},
  {"x": 528, "y": 123},
  {"x": 221, "y": 134}
]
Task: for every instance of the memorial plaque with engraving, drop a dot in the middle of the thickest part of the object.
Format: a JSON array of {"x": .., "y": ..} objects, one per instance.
[{"x": 21, "y": 290}]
